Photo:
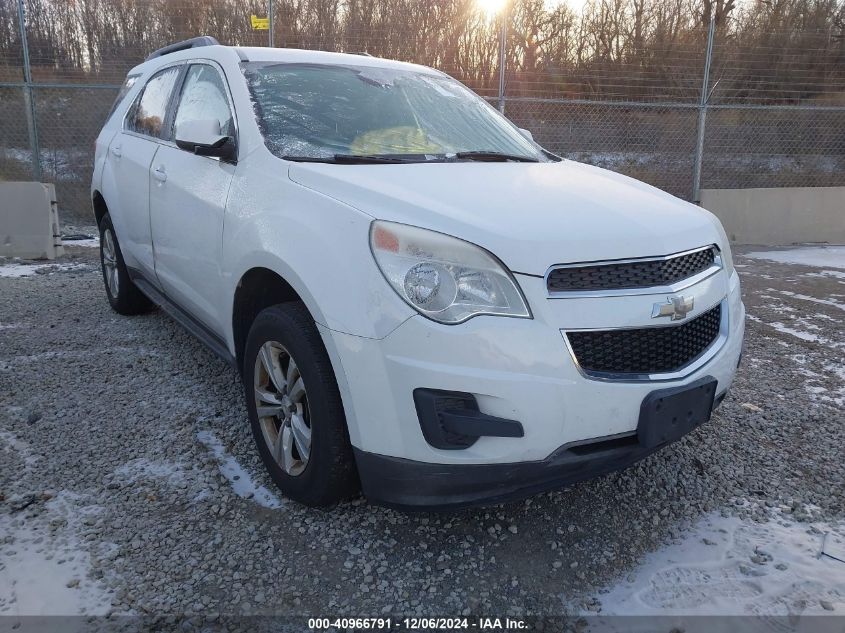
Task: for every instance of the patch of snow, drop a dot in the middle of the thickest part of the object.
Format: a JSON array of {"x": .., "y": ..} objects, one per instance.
[
  {"x": 10, "y": 442},
  {"x": 776, "y": 305},
  {"x": 835, "y": 395},
  {"x": 837, "y": 400},
  {"x": 839, "y": 370},
  {"x": 780, "y": 327},
  {"x": 18, "y": 270},
  {"x": 818, "y": 256},
  {"x": 827, "y": 273},
  {"x": 241, "y": 481},
  {"x": 93, "y": 242},
  {"x": 725, "y": 566},
  {"x": 27, "y": 270},
  {"x": 44, "y": 565},
  {"x": 806, "y": 336},
  {"x": 824, "y": 302},
  {"x": 67, "y": 165},
  {"x": 140, "y": 469},
  {"x": 193, "y": 482},
  {"x": 808, "y": 372}
]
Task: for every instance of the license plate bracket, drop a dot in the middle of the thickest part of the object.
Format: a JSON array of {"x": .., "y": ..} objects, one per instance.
[{"x": 668, "y": 414}]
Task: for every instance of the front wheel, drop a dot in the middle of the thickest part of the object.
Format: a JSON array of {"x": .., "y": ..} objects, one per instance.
[{"x": 295, "y": 408}]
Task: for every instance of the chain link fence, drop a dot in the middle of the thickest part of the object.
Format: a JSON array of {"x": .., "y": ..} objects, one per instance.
[{"x": 771, "y": 112}]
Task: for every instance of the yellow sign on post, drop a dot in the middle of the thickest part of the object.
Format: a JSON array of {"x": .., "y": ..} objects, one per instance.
[{"x": 260, "y": 24}]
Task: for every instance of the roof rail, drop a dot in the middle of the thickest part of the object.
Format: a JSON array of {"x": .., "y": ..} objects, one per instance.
[{"x": 194, "y": 42}]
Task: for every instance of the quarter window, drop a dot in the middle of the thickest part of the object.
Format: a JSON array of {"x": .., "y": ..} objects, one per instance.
[
  {"x": 204, "y": 98},
  {"x": 124, "y": 90},
  {"x": 150, "y": 111}
]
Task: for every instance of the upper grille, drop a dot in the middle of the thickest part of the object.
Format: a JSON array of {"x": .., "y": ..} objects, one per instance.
[
  {"x": 649, "y": 350},
  {"x": 646, "y": 273}
]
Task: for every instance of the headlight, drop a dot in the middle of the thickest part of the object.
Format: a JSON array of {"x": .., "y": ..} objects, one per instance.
[
  {"x": 724, "y": 245},
  {"x": 444, "y": 278},
  {"x": 727, "y": 258}
]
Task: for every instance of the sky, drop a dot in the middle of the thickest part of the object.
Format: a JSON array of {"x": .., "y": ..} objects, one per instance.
[{"x": 491, "y": 7}]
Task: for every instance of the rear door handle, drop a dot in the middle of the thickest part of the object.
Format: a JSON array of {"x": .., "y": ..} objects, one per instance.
[
  {"x": 160, "y": 174},
  {"x": 116, "y": 151}
]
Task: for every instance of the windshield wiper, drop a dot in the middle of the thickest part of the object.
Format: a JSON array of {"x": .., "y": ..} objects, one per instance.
[
  {"x": 371, "y": 158},
  {"x": 353, "y": 159},
  {"x": 309, "y": 159},
  {"x": 494, "y": 157},
  {"x": 380, "y": 159}
]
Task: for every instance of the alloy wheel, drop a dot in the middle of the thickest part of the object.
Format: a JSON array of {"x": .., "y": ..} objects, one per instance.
[
  {"x": 110, "y": 263},
  {"x": 281, "y": 402}
]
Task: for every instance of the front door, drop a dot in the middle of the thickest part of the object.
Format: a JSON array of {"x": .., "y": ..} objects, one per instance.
[{"x": 188, "y": 201}]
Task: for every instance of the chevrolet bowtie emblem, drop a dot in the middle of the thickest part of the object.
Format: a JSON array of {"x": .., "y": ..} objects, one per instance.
[{"x": 676, "y": 308}]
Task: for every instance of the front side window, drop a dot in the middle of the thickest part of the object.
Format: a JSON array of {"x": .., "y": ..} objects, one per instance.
[
  {"x": 203, "y": 98},
  {"x": 150, "y": 111},
  {"x": 318, "y": 111}
]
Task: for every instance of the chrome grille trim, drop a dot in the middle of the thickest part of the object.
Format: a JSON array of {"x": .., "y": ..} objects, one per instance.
[{"x": 623, "y": 292}]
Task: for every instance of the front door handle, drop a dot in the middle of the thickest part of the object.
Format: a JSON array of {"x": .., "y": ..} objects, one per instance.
[
  {"x": 160, "y": 174},
  {"x": 116, "y": 151}
]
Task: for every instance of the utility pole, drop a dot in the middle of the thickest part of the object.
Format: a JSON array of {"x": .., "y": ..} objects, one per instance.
[
  {"x": 270, "y": 20},
  {"x": 702, "y": 115},
  {"x": 29, "y": 97},
  {"x": 503, "y": 49}
]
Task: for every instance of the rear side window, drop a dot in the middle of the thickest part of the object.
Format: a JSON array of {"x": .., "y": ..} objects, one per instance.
[
  {"x": 124, "y": 90},
  {"x": 204, "y": 97},
  {"x": 150, "y": 111}
]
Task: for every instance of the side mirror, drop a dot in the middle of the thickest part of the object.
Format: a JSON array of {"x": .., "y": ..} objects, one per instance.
[
  {"x": 527, "y": 134},
  {"x": 203, "y": 138}
]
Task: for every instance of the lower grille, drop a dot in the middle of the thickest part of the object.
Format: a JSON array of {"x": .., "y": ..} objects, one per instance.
[{"x": 650, "y": 350}]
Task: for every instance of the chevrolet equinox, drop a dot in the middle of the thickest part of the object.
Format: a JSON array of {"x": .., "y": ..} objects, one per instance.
[{"x": 421, "y": 301}]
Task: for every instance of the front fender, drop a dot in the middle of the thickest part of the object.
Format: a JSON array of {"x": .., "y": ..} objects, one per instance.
[{"x": 319, "y": 245}]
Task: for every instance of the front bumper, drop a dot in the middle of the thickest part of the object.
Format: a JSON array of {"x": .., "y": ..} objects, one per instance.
[
  {"x": 517, "y": 369},
  {"x": 408, "y": 485}
]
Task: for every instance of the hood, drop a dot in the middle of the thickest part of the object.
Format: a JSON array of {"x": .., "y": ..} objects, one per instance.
[{"x": 530, "y": 215}]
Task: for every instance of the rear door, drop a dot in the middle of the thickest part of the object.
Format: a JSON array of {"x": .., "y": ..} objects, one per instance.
[
  {"x": 126, "y": 179},
  {"x": 188, "y": 200}
]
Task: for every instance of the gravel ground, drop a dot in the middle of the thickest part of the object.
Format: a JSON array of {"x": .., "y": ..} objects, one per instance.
[{"x": 128, "y": 474}]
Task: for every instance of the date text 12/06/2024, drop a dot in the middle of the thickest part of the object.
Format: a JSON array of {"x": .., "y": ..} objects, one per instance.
[{"x": 414, "y": 624}]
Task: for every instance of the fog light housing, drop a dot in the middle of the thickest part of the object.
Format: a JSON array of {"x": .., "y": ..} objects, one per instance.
[{"x": 450, "y": 420}]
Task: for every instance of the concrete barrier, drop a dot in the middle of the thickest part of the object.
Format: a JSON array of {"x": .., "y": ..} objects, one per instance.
[
  {"x": 29, "y": 221},
  {"x": 778, "y": 216}
]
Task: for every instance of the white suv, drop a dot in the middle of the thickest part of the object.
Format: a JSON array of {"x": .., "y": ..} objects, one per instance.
[{"x": 421, "y": 300}]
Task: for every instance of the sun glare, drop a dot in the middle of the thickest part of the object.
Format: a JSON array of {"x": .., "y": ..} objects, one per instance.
[{"x": 491, "y": 8}]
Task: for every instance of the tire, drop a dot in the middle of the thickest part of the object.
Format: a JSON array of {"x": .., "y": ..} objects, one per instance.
[
  {"x": 122, "y": 293},
  {"x": 302, "y": 436}
]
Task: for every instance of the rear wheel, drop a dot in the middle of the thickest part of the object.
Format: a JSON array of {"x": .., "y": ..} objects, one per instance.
[
  {"x": 295, "y": 408},
  {"x": 123, "y": 295}
]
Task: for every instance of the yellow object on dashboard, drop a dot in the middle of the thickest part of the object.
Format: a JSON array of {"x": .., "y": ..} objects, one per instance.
[{"x": 394, "y": 140}]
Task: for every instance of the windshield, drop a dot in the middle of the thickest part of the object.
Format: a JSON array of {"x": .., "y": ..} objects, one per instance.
[{"x": 326, "y": 112}]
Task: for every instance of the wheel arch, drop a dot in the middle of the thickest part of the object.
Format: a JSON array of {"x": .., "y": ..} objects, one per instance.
[
  {"x": 261, "y": 286},
  {"x": 258, "y": 288},
  {"x": 98, "y": 204}
]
